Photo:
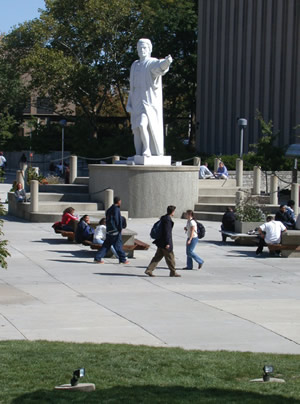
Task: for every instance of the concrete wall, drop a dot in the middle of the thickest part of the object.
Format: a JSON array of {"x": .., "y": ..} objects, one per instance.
[
  {"x": 284, "y": 179},
  {"x": 146, "y": 191}
]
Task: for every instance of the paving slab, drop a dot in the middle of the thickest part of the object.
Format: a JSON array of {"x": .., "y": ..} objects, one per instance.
[{"x": 52, "y": 290}]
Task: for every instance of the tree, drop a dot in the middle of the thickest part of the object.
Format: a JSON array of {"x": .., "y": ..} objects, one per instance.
[
  {"x": 74, "y": 51},
  {"x": 13, "y": 97},
  {"x": 81, "y": 52}
]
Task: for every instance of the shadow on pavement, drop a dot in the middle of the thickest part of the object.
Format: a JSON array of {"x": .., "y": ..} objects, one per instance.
[
  {"x": 154, "y": 394},
  {"x": 52, "y": 241}
]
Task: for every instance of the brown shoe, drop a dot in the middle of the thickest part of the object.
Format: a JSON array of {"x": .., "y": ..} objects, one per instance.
[
  {"x": 175, "y": 274},
  {"x": 149, "y": 273}
]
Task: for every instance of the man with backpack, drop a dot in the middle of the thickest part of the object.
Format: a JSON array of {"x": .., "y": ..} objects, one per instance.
[
  {"x": 164, "y": 243},
  {"x": 114, "y": 225}
]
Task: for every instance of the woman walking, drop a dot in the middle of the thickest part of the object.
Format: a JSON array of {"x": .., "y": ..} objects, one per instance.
[{"x": 192, "y": 240}]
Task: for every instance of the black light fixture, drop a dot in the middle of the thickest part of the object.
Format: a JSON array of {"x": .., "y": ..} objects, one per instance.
[
  {"x": 268, "y": 369},
  {"x": 77, "y": 374}
]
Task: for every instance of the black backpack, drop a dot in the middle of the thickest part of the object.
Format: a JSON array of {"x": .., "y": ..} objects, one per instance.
[
  {"x": 200, "y": 230},
  {"x": 156, "y": 231}
]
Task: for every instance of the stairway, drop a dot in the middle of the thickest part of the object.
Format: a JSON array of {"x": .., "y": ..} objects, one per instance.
[
  {"x": 55, "y": 198},
  {"x": 214, "y": 197}
]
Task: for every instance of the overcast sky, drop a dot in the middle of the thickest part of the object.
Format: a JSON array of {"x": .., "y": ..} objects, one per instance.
[{"x": 14, "y": 12}]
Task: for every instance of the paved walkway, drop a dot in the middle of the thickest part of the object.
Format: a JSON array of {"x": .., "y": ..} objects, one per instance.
[{"x": 52, "y": 290}]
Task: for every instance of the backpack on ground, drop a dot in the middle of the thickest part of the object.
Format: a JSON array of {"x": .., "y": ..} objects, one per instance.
[
  {"x": 156, "y": 231},
  {"x": 200, "y": 230}
]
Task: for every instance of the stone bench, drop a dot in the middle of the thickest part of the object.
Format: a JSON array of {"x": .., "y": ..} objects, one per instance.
[{"x": 289, "y": 246}]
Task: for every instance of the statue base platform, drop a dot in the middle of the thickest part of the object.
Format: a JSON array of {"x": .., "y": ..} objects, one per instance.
[
  {"x": 152, "y": 160},
  {"x": 146, "y": 190}
]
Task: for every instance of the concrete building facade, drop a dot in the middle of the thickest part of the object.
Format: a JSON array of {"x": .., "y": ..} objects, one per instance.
[{"x": 248, "y": 60}]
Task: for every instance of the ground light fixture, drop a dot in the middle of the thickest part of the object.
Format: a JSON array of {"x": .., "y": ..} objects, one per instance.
[
  {"x": 77, "y": 374},
  {"x": 268, "y": 370}
]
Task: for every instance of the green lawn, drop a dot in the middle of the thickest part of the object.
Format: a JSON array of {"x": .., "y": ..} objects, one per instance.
[{"x": 139, "y": 374}]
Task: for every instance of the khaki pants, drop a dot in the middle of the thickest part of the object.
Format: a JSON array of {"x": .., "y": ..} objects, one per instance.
[{"x": 160, "y": 253}]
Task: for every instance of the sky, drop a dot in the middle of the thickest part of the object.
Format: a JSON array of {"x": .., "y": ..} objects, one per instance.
[{"x": 14, "y": 12}]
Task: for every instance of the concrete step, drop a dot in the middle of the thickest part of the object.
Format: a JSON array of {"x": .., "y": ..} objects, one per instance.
[
  {"x": 82, "y": 180},
  {"x": 217, "y": 191},
  {"x": 64, "y": 188},
  {"x": 61, "y": 206},
  {"x": 215, "y": 183},
  {"x": 212, "y": 207},
  {"x": 56, "y": 197},
  {"x": 210, "y": 216},
  {"x": 228, "y": 199}
]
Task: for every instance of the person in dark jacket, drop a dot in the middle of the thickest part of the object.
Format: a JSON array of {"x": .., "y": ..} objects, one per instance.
[
  {"x": 282, "y": 216},
  {"x": 164, "y": 245},
  {"x": 84, "y": 231},
  {"x": 228, "y": 222},
  {"x": 114, "y": 226}
]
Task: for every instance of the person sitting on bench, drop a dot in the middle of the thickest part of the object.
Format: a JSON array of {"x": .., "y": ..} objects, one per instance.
[
  {"x": 100, "y": 235},
  {"x": 68, "y": 220},
  {"x": 228, "y": 222},
  {"x": 270, "y": 233},
  {"x": 84, "y": 231}
]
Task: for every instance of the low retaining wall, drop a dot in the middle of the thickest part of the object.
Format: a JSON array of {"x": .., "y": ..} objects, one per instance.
[{"x": 284, "y": 179}]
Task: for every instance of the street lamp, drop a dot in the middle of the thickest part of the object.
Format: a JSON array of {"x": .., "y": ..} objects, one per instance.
[
  {"x": 242, "y": 122},
  {"x": 62, "y": 123}
]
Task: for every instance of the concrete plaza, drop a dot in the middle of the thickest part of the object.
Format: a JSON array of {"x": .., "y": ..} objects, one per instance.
[{"x": 53, "y": 291}]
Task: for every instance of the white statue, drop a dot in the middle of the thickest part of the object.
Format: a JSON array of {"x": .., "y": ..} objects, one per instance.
[{"x": 145, "y": 100}]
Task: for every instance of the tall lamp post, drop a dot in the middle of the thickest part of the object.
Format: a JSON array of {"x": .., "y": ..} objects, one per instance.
[
  {"x": 62, "y": 123},
  {"x": 242, "y": 122}
]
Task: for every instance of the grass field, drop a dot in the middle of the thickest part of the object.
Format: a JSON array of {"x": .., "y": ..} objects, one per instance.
[{"x": 139, "y": 374}]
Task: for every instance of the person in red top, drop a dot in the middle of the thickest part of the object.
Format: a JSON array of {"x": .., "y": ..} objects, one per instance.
[{"x": 68, "y": 219}]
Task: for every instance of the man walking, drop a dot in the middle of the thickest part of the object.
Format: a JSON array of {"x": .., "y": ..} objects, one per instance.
[
  {"x": 164, "y": 245},
  {"x": 113, "y": 234}
]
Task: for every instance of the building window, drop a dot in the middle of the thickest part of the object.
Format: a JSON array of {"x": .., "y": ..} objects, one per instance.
[{"x": 44, "y": 106}]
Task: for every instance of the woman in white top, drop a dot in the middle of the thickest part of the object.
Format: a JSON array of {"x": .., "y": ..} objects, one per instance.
[
  {"x": 192, "y": 240},
  {"x": 100, "y": 235}
]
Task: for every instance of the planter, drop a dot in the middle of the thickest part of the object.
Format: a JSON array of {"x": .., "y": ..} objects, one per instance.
[{"x": 245, "y": 227}]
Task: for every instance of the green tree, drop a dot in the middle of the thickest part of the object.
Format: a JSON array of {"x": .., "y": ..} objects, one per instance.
[
  {"x": 13, "y": 98},
  {"x": 74, "y": 51},
  {"x": 81, "y": 52}
]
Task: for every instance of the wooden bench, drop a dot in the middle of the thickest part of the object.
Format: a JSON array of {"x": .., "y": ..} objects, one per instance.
[
  {"x": 69, "y": 234},
  {"x": 128, "y": 248}
]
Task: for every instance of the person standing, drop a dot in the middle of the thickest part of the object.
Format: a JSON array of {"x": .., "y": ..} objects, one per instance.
[
  {"x": 191, "y": 242},
  {"x": 164, "y": 245},
  {"x": 113, "y": 234}
]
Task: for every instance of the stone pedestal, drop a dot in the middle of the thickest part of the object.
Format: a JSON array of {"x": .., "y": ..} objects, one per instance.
[
  {"x": 152, "y": 160},
  {"x": 80, "y": 387},
  {"x": 146, "y": 191}
]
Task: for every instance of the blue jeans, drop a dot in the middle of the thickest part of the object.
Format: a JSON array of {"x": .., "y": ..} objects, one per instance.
[
  {"x": 100, "y": 241},
  {"x": 116, "y": 242},
  {"x": 191, "y": 255}
]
